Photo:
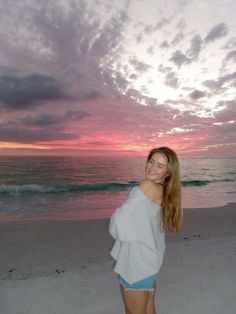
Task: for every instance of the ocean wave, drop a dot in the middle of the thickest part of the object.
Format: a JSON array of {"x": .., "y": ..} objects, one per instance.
[
  {"x": 86, "y": 188},
  {"x": 66, "y": 188},
  {"x": 204, "y": 182},
  {"x": 195, "y": 183}
]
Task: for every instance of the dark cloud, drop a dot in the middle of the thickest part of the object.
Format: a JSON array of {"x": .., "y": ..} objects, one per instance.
[
  {"x": 88, "y": 94},
  {"x": 133, "y": 76},
  {"x": 196, "y": 94},
  {"x": 215, "y": 85},
  {"x": 195, "y": 49},
  {"x": 21, "y": 92},
  {"x": 148, "y": 29},
  {"x": 71, "y": 39},
  {"x": 164, "y": 44},
  {"x": 116, "y": 83},
  {"x": 110, "y": 36},
  {"x": 163, "y": 21},
  {"x": 171, "y": 79},
  {"x": 45, "y": 119},
  {"x": 218, "y": 31},
  {"x": 178, "y": 38},
  {"x": 140, "y": 67},
  {"x": 227, "y": 129},
  {"x": 26, "y": 136},
  {"x": 231, "y": 55},
  {"x": 48, "y": 35},
  {"x": 228, "y": 113},
  {"x": 179, "y": 58},
  {"x": 164, "y": 69},
  {"x": 138, "y": 96}
]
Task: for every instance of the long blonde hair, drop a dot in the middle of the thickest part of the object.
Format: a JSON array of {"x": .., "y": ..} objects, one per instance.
[{"x": 172, "y": 214}]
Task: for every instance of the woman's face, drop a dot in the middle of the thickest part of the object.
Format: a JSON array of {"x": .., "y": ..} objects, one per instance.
[{"x": 156, "y": 167}]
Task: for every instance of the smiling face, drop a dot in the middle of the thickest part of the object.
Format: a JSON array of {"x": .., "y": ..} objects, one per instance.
[{"x": 156, "y": 167}]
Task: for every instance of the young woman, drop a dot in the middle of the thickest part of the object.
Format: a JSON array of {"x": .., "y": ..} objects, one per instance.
[{"x": 138, "y": 226}]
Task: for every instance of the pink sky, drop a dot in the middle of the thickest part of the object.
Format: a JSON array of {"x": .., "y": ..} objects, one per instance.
[{"x": 117, "y": 78}]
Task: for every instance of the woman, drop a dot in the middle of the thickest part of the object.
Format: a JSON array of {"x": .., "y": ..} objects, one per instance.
[{"x": 138, "y": 226}]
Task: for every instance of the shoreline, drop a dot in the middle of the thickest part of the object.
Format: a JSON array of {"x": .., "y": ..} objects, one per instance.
[
  {"x": 65, "y": 267},
  {"x": 7, "y": 217},
  {"x": 83, "y": 240}
]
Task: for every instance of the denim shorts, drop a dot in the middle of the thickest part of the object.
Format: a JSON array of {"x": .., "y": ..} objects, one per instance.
[{"x": 144, "y": 284}]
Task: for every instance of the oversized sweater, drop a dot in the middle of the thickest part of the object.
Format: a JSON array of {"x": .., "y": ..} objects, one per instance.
[{"x": 140, "y": 241}]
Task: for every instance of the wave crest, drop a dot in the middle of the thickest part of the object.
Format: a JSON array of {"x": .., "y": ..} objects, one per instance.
[{"x": 86, "y": 188}]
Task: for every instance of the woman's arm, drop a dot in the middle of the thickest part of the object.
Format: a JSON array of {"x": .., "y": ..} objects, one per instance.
[{"x": 127, "y": 221}]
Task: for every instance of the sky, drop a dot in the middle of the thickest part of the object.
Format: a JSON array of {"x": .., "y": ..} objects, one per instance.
[{"x": 102, "y": 77}]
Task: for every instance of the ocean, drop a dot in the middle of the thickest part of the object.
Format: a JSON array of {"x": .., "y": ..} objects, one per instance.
[{"x": 93, "y": 187}]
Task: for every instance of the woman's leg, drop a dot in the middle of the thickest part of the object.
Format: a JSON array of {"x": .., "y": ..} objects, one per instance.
[
  {"x": 151, "y": 301},
  {"x": 135, "y": 301}
]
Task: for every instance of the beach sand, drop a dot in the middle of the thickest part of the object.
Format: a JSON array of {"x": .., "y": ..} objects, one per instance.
[{"x": 64, "y": 267}]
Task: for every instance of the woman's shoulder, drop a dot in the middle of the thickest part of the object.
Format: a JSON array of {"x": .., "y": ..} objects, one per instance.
[{"x": 151, "y": 190}]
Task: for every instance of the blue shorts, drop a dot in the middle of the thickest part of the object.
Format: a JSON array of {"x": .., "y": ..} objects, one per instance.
[{"x": 144, "y": 284}]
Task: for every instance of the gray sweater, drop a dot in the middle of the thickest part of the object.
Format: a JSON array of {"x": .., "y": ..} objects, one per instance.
[{"x": 140, "y": 241}]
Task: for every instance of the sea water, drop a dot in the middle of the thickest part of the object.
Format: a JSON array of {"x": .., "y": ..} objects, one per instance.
[{"x": 93, "y": 187}]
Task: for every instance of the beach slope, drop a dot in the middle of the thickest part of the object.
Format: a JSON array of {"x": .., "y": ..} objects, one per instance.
[{"x": 64, "y": 267}]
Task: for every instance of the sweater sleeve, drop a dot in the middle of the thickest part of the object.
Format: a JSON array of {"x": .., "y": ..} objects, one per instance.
[{"x": 130, "y": 221}]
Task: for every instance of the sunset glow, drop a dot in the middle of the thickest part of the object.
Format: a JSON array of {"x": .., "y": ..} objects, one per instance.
[{"x": 101, "y": 77}]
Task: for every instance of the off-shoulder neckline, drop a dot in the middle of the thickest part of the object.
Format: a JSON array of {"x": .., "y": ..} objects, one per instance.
[{"x": 148, "y": 199}]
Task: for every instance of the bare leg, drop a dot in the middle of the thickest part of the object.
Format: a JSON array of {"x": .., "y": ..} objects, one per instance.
[
  {"x": 122, "y": 290},
  {"x": 151, "y": 301},
  {"x": 135, "y": 301}
]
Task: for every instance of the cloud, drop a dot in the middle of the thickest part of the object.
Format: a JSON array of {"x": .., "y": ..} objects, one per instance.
[
  {"x": 177, "y": 39},
  {"x": 196, "y": 94},
  {"x": 195, "y": 49},
  {"x": 139, "y": 66},
  {"x": 148, "y": 29},
  {"x": 218, "y": 31},
  {"x": 98, "y": 143},
  {"x": 69, "y": 39},
  {"x": 231, "y": 56},
  {"x": 214, "y": 85},
  {"x": 231, "y": 43},
  {"x": 22, "y": 92},
  {"x": 228, "y": 113},
  {"x": 164, "y": 69},
  {"x": 23, "y": 135},
  {"x": 133, "y": 76},
  {"x": 87, "y": 94},
  {"x": 164, "y": 44},
  {"x": 46, "y": 119},
  {"x": 178, "y": 58},
  {"x": 83, "y": 48},
  {"x": 110, "y": 36},
  {"x": 171, "y": 79},
  {"x": 151, "y": 50}
]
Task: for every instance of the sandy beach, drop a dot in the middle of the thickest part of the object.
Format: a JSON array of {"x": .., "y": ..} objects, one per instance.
[{"x": 64, "y": 267}]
